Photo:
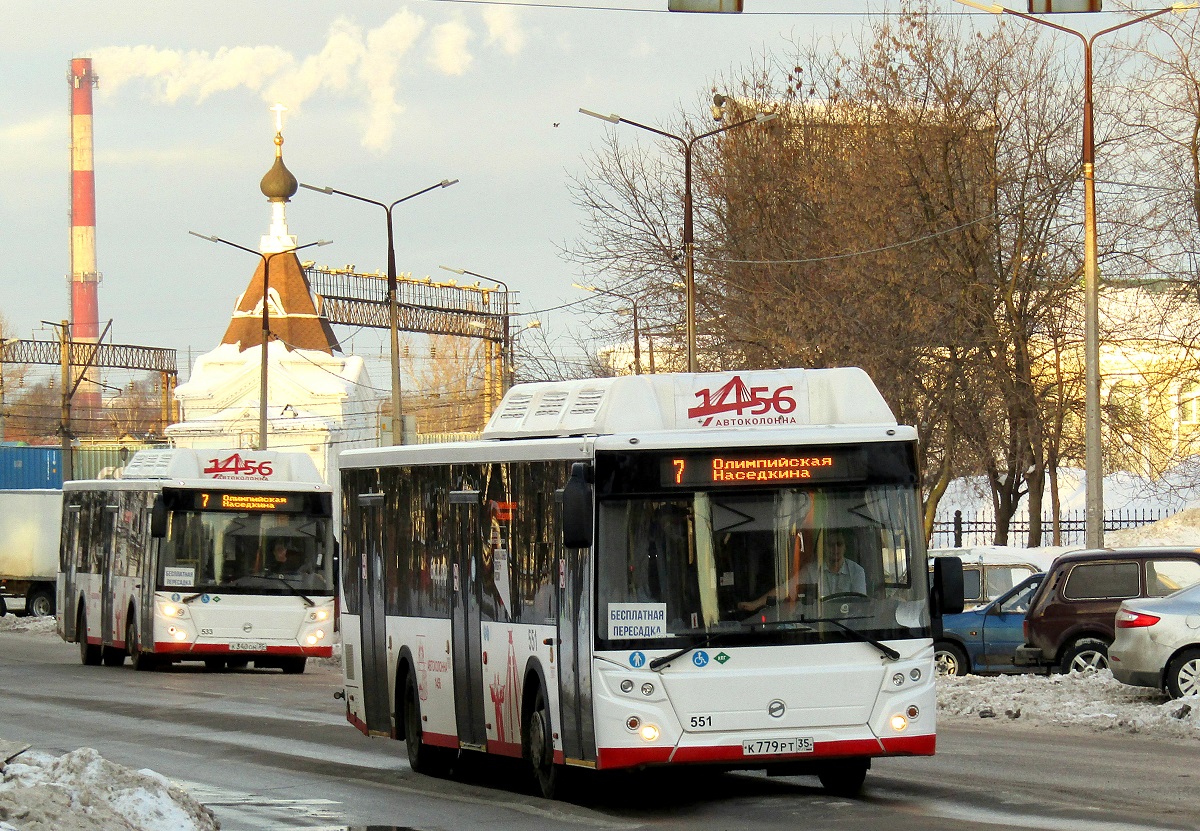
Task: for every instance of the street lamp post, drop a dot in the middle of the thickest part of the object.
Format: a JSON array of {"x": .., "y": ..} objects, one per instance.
[
  {"x": 506, "y": 335},
  {"x": 637, "y": 349},
  {"x": 393, "y": 312},
  {"x": 266, "y": 320},
  {"x": 1093, "y": 445},
  {"x": 689, "y": 253}
]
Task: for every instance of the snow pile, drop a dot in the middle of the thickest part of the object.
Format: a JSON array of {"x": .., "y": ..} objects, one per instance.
[
  {"x": 82, "y": 791},
  {"x": 1181, "y": 529},
  {"x": 1092, "y": 700},
  {"x": 35, "y": 625}
]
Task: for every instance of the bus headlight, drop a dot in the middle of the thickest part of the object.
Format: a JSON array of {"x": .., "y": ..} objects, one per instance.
[
  {"x": 171, "y": 610},
  {"x": 318, "y": 615},
  {"x": 649, "y": 732},
  {"x": 898, "y": 723},
  {"x": 178, "y": 634},
  {"x": 315, "y": 636}
]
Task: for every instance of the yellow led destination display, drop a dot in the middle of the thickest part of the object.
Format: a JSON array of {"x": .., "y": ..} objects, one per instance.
[
  {"x": 772, "y": 468},
  {"x": 246, "y": 501}
]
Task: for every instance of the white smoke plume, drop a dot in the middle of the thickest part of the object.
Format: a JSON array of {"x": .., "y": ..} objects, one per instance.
[{"x": 365, "y": 64}]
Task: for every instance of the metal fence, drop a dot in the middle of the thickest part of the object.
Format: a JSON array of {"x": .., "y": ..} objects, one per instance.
[{"x": 978, "y": 528}]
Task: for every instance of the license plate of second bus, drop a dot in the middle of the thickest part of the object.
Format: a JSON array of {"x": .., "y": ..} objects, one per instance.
[
  {"x": 777, "y": 747},
  {"x": 248, "y": 646}
]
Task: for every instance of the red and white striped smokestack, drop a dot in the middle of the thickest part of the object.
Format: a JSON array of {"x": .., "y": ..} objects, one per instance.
[{"x": 85, "y": 315}]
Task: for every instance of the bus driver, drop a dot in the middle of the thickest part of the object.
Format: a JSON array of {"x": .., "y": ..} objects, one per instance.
[{"x": 834, "y": 575}]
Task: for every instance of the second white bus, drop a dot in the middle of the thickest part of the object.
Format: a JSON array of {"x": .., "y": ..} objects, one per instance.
[{"x": 220, "y": 556}]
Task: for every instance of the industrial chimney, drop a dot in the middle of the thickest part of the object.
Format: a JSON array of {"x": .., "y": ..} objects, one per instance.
[{"x": 85, "y": 319}]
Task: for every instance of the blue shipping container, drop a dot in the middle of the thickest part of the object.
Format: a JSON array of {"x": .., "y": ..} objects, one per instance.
[{"x": 25, "y": 468}]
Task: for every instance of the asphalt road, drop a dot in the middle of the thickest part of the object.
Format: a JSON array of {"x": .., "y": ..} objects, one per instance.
[{"x": 268, "y": 751}]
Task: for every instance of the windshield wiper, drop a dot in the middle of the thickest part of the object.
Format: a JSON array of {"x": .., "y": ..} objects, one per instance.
[
  {"x": 278, "y": 579},
  {"x": 659, "y": 663},
  {"x": 887, "y": 651}
]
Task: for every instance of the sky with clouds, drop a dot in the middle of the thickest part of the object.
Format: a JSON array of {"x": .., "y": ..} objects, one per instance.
[{"x": 384, "y": 98}]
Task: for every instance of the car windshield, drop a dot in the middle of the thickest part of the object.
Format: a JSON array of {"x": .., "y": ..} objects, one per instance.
[
  {"x": 788, "y": 560},
  {"x": 245, "y": 553},
  {"x": 1017, "y": 600}
]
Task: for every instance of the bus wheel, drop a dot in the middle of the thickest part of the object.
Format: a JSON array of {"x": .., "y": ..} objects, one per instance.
[
  {"x": 844, "y": 777},
  {"x": 40, "y": 604},
  {"x": 422, "y": 758},
  {"x": 539, "y": 746},
  {"x": 293, "y": 666},
  {"x": 140, "y": 660},
  {"x": 89, "y": 654}
]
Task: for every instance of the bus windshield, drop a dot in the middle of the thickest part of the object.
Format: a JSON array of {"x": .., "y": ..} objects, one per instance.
[
  {"x": 245, "y": 552},
  {"x": 808, "y": 562}
]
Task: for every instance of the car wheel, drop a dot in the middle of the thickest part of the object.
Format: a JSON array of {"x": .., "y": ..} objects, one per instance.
[
  {"x": 422, "y": 758},
  {"x": 40, "y": 604},
  {"x": 949, "y": 659},
  {"x": 1085, "y": 655},
  {"x": 1183, "y": 674},
  {"x": 844, "y": 777}
]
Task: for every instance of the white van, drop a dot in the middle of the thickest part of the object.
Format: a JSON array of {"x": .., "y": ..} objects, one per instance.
[{"x": 991, "y": 570}]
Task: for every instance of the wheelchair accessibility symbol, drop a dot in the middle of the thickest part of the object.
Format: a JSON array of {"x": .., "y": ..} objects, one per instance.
[{"x": 700, "y": 658}]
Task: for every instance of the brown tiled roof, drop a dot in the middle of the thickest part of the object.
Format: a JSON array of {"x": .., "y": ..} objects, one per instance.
[{"x": 299, "y": 326}]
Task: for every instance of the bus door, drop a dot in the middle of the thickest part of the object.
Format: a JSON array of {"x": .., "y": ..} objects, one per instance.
[
  {"x": 575, "y": 622},
  {"x": 377, "y": 704},
  {"x": 108, "y": 526},
  {"x": 146, "y": 586},
  {"x": 466, "y": 592},
  {"x": 68, "y": 554}
]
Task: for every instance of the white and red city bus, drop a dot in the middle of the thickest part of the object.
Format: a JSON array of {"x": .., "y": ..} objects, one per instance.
[
  {"x": 220, "y": 556},
  {"x": 649, "y": 570}
]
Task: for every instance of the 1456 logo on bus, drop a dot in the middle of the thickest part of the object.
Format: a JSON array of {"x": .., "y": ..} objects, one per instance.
[
  {"x": 738, "y": 405},
  {"x": 236, "y": 466}
]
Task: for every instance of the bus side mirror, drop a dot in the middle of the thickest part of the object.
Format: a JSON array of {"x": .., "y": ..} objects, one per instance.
[
  {"x": 947, "y": 593},
  {"x": 577, "y": 505},
  {"x": 158, "y": 518}
]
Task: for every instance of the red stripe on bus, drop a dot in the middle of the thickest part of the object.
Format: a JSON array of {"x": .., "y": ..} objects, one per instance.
[
  {"x": 356, "y": 721},
  {"x": 911, "y": 745},
  {"x": 624, "y": 757},
  {"x": 223, "y": 649},
  {"x": 439, "y": 740},
  {"x": 618, "y": 757},
  {"x": 512, "y": 749}
]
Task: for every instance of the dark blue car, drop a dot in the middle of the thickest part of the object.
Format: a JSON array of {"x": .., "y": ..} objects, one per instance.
[{"x": 984, "y": 639}]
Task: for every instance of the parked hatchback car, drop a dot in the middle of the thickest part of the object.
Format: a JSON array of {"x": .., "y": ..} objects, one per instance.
[
  {"x": 1158, "y": 643},
  {"x": 1069, "y": 625},
  {"x": 985, "y": 638}
]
